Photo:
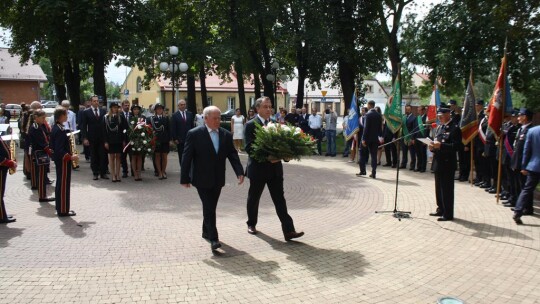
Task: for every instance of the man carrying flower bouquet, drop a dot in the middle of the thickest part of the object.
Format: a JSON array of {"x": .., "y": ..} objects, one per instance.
[{"x": 264, "y": 173}]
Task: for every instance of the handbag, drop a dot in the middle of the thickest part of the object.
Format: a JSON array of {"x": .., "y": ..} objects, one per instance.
[{"x": 41, "y": 158}]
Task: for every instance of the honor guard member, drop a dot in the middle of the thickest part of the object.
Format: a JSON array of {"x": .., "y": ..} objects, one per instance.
[
  {"x": 444, "y": 147},
  {"x": 525, "y": 120},
  {"x": 160, "y": 124},
  {"x": 478, "y": 142},
  {"x": 5, "y": 164},
  {"x": 63, "y": 158},
  {"x": 512, "y": 179},
  {"x": 39, "y": 144}
]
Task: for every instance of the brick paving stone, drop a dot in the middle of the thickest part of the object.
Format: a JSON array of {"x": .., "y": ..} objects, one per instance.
[{"x": 140, "y": 243}]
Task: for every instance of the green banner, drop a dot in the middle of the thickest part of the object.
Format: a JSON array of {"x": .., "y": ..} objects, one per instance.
[{"x": 392, "y": 112}]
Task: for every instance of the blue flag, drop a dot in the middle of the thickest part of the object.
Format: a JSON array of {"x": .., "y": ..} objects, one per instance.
[{"x": 352, "y": 122}]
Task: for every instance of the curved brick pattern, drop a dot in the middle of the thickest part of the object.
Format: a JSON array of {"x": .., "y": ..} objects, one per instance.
[{"x": 140, "y": 243}]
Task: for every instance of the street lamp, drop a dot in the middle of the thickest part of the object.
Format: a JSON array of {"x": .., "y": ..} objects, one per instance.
[
  {"x": 273, "y": 78},
  {"x": 173, "y": 67}
]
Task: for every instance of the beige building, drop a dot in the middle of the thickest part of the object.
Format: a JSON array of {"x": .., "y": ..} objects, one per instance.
[{"x": 221, "y": 93}]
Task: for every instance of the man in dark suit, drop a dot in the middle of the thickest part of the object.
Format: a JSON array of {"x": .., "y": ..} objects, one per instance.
[
  {"x": 411, "y": 126},
  {"x": 444, "y": 147},
  {"x": 126, "y": 114},
  {"x": 370, "y": 138},
  {"x": 91, "y": 132},
  {"x": 303, "y": 120},
  {"x": 265, "y": 173},
  {"x": 203, "y": 165},
  {"x": 182, "y": 122},
  {"x": 530, "y": 169}
]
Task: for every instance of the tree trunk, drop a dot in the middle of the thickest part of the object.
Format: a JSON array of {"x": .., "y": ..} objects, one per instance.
[
  {"x": 241, "y": 90},
  {"x": 58, "y": 77},
  {"x": 300, "y": 93},
  {"x": 73, "y": 81},
  {"x": 191, "y": 102},
  {"x": 202, "y": 80},
  {"x": 257, "y": 84},
  {"x": 100, "y": 87},
  {"x": 346, "y": 77}
]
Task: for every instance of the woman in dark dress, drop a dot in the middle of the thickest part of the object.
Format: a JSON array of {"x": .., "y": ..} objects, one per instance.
[
  {"x": 161, "y": 126},
  {"x": 136, "y": 156},
  {"x": 114, "y": 134}
]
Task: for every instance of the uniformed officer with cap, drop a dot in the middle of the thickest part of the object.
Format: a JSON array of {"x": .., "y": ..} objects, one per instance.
[{"x": 444, "y": 147}]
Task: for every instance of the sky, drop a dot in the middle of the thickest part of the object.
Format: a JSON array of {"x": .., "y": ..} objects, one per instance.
[{"x": 118, "y": 74}]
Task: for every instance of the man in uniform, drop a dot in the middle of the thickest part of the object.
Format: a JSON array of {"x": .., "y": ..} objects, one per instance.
[
  {"x": 517, "y": 161},
  {"x": 511, "y": 178},
  {"x": 444, "y": 147},
  {"x": 530, "y": 169}
]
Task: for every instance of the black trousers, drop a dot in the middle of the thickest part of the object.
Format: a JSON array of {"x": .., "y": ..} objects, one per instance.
[
  {"x": 317, "y": 134},
  {"x": 464, "y": 164},
  {"x": 63, "y": 186},
  {"x": 370, "y": 149},
  {"x": 3, "y": 176},
  {"x": 125, "y": 167},
  {"x": 40, "y": 176},
  {"x": 421, "y": 155},
  {"x": 98, "y": 158},
  {"x": 180, "y": 148},
  {"x": 390, "y": 152},
  {"x": 405, "y": 154},
  {"x": 275, "y": 186},
  {"x": 526, "y": 197},
  {"x": 479, "y": 164},
  {"x": 412, "y": 152},
  {"x": 209, "y": 199},
  {"x": 444, "y": 190}
]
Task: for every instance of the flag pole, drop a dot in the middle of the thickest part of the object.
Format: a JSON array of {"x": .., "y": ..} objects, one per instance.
[
  {"x": 471, "y": 150},
  {"x": 503, "y": 94}
]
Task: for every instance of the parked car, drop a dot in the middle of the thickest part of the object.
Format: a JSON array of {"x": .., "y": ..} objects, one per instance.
[
  {"x": 50, "y": 104},
  {"x": 14, "y": 109},
  {"x": 226, "y": 116}
]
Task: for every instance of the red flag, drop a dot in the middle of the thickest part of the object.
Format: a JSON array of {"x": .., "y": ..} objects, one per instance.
[
  {"x": 496, "y": 105},
  {"x": 434, "y": 103}
]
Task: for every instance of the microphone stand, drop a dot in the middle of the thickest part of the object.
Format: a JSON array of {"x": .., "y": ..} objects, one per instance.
[{"x": 395, "y": 213}]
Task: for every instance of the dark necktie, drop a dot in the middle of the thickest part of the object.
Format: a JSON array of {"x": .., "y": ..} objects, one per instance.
[
  {"x": 96, "y": 112},
  {"x": 266, "y": 122}
]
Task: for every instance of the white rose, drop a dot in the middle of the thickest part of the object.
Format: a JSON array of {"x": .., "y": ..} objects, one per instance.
[
  {"x": 139, "y": 127},
  {"x": 125, "y": 131},
  {"x": 131, "y": 143},
  {"x": 149, "y": 150},
  {"x": 138, "y": 149},
  {"x": 286, "y": 128},
  {"x": 143, "y": 134},
  {"x": 144, "y": 142},
  {"x": 132, "y": 122}
]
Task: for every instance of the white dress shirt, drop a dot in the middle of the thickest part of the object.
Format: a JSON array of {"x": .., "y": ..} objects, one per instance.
[{"x": 315, "y": 121}]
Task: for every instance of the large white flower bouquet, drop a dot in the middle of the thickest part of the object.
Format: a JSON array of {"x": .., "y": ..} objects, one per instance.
[
  {"x": 141, "y": 137},
  {"x": 276, "y": 142}
]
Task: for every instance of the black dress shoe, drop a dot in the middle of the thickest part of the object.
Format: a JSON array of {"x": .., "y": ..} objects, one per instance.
[
  {"x": 104, "y": 176},
  {"x": 393, "y": 166},
  {"x": 485, "y": 186},
  {"x": 443, "y": 219},
  {"x": 361, "y": 173},
  {"x": 517, "y": 220},
  {"x": 436, "y": 214},
  {"x": 70, "y": 213},
  {"x": 48, "y": 199},
  {"x": 507, "y": 204},
  {"x": 372, "y": 176},
  {"x": 492, "y": 191},
  {"x": 96, "y": 177},
  {"x": 525, "y": 211},
  {"x": 8, "y": 220},
  {"x": 462, "y": 179},
  {"x": 156, "y": 174},
  {"x": 252, "y": 230},
  {"x": 215, "y": 245},
  {"x": 292, "y": 235}
]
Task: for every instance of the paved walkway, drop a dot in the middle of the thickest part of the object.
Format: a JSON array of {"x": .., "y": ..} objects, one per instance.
[{"x": 134, "y": 242}]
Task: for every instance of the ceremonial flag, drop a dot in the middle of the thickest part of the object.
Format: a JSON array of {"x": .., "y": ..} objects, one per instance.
[
  {"x": 352, "y": 122},
  {"x": 434, "y": 103},
  {"x": 469, "y": 119},
  {"x": 392, "y": 111},
  {"x": 500, "y": 101}
]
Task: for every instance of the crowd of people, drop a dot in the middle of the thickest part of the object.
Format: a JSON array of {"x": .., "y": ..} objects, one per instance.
[{"x": 104, "y": 135}]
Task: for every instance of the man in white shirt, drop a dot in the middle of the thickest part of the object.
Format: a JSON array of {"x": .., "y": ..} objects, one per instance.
[
  {"x": 315, "y": 124},
  {"x": 199, "y": 118}
]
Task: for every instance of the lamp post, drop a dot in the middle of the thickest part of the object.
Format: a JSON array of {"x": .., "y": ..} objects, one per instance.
[
  {"x": 173, "y": 67},
  {"x": 273, "y": 78}
]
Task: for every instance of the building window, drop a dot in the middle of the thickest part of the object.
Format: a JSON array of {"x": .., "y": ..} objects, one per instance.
[
  {"x": 139, "y": 84},
  {"x": 210, "y": 100},
  {"x": 231, "y": 103},
  {"x": 369, "y": 89}
]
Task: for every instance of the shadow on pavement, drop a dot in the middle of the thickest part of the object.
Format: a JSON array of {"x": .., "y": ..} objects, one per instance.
[
  {"x": 485, "y": 231},
  {"x": 324, "y": 263},
  {"x": 73, "y": 228},
  {"x": 248, "y": 266},
  {"x": 46, "y": 210},
  {"x": 7, "y": 234}
]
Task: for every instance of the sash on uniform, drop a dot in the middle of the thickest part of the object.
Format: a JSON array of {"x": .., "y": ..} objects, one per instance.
[
  {"x": 421, "y": 126},
  {"x": 406, "y": 137}
]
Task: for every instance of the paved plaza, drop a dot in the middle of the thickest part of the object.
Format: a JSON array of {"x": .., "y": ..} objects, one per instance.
[{"x": 140, "y": 242}]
